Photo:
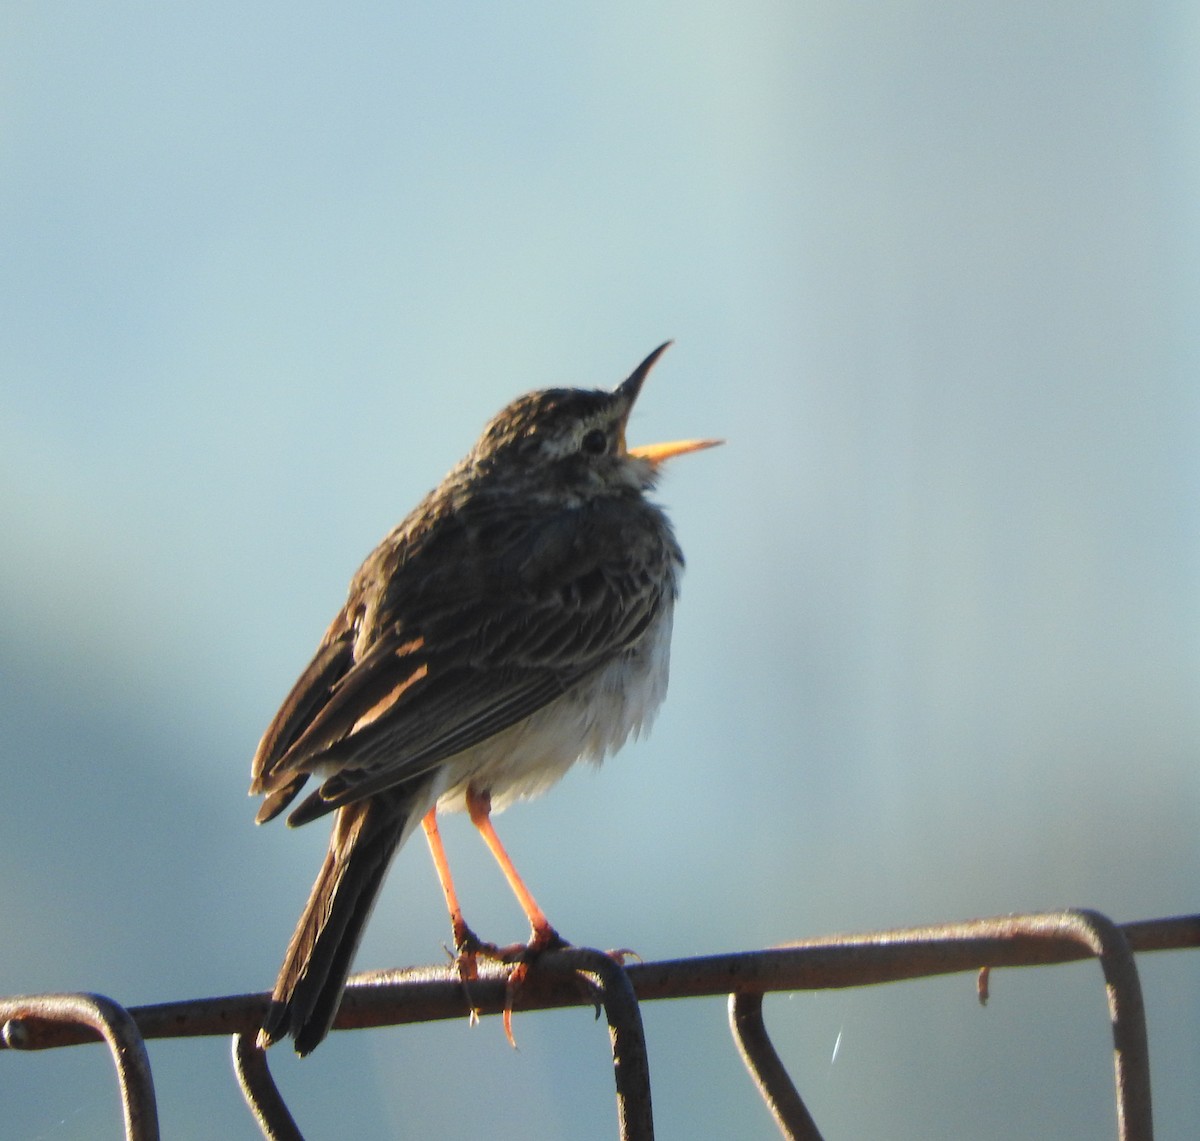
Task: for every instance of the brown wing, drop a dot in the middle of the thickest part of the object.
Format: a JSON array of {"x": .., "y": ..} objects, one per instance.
[
  {"x": 519, "y": 609},
  {"x": 311, "y": 692}
]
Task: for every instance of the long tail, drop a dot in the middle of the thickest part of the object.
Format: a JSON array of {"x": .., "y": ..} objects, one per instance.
[{"x": 366, "y": 835}]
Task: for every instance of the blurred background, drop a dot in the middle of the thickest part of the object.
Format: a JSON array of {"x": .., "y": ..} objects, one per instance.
[{"x": 931, "y": 268}]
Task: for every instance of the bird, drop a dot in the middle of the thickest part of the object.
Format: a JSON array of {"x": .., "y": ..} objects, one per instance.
[{"x": 516, "y": 621}]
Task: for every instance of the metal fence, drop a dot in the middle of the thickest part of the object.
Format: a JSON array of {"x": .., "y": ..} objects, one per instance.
[{"x": 578, "y": 976}]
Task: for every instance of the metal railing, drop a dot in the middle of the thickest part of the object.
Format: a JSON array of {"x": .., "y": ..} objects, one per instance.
[{"x": 577, "y": 976}]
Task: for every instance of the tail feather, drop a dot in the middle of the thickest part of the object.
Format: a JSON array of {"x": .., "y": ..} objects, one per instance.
[{"x": 366, "y": 835}]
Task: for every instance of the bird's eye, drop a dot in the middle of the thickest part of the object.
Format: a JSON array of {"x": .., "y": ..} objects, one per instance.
[{"x": 595, "y": 443}]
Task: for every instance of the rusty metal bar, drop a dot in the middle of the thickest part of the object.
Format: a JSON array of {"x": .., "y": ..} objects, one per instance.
[
  {"x": 631, "y": 1062},
  {"x": 1131, "y": 1049},
  {"x": 418, "y": 994},
  {"x": 260, "y": 1091},
  {"x": 768, "y": 1071},
  {"x": 1041, "y": 935},
  {"x": 428, "y": 993},
  {"x": 1178, "y": 934},
  {"x": 96, "y": 1017}
]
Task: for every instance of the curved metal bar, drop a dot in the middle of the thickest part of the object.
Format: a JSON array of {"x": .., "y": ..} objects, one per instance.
[
  {"x": 767, "y": 1069},
  {"x": 111, "y": 1022},
  {"x": 1014, "y": 940},
  {"x": 261, "y": 1093},
  {"x": 418, "y": 994},
  {"x": 1131, "y": 1049},
  {"x": 631, "y": 1061}
]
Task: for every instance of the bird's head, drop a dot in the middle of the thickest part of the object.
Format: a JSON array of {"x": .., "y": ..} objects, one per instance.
[{"x": 573, "y": 439}]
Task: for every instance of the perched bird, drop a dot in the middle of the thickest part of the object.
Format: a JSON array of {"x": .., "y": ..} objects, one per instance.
[{"x": 517, "y": 621}]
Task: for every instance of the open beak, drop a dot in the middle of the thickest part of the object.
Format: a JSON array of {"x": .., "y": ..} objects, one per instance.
[{"x": 656, "y": 453}]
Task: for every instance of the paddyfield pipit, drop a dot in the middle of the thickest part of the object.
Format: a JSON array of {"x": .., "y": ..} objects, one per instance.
[{"x": 517, "y": 621}]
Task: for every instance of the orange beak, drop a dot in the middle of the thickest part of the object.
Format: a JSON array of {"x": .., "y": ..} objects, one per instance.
[{"x": 656, "y": 453}]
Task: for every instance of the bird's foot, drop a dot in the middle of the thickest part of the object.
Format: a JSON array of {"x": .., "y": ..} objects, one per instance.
[
  {"x": 542, "y": 939},
  {"x": 468, "y": 947},
  {"x": 519, "y": 956}
]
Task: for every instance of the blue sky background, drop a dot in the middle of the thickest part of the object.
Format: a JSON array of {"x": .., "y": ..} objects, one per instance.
[{"x": 931, "y": 268}]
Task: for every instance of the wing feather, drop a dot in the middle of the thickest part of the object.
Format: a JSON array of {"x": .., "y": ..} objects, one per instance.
[{"x": 424, "y": 663}]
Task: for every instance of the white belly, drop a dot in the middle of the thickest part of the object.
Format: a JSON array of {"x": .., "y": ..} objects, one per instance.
[{"x": 591, "y": 721}]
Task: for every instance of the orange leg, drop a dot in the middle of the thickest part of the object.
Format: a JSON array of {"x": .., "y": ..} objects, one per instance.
[
  {"x": 544, "y": 937},
  {"x": 467, "y": 945},
  {"x": 462, "y": 933},
  {"x": 479, "y": 805}
]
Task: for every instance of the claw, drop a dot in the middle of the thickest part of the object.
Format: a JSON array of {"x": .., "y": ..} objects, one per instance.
[
  {"x": 515, "y": 978},
  {"x": 520, "y": 956},
  {"x": 465, "y": 958},
  {"x": 621, "y": 954}
]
